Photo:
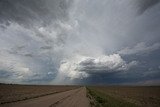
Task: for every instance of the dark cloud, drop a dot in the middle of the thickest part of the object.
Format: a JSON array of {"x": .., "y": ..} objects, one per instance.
[
  {"x": 27, "y": 12},
  {"x": 5, "y": 74},
  {"x": 28, "y": 55},
  {"x": 146, "y": 4},
  {"x": 21, "y": 11},
  {"x": 74, "y": 41},
  {"x": 46, "y": 47}
]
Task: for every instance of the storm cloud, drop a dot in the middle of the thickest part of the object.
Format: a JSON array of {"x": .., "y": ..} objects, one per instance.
[{"x": 75, "y": 41}]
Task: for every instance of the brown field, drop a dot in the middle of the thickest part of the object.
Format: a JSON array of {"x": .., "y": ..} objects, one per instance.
[
  {"x": 14, "y": 93},
  {"x": 143, "y": 96},
  {"x": 71, "y": 96}
]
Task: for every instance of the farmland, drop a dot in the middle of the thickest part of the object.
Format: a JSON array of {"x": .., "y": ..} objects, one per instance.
[
  {"x": 125, "y": 96},
  {"x": 14, "y": 93},
  {"x": 71, "y": 96}
]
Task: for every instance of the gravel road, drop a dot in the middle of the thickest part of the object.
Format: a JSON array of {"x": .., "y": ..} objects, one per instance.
[{"x": 71, "y": 98}]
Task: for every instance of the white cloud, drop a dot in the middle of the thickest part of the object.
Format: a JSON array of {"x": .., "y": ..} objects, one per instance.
[
  {"x": 68, "y": 68},
  {"x": 82, "y": 66},
  {"x": 65, "y": 26},
  {"x": 140, "y": 48}
]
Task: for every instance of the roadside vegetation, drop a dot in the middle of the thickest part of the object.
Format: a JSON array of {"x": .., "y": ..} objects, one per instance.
[{"x": 99, "y": 99}]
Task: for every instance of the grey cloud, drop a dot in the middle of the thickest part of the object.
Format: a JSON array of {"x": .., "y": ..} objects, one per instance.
[
  {"x": 62, "y": 40},
  {"x": 28, "y": 55},
  {"x": 146, "y": 4},
  {"x": 21, "y": 11},
  {"x": 32, "y": 11},
  {"x": 46, "y": 47},
  {"x": 29, "y": 28},
  {"x": 106, "y": 64},
  {"x": 140, "y": 48},
  {"x": 83, "y": 67}
]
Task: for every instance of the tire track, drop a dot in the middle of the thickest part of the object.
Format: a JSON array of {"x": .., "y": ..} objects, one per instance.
[
  {"x": 63, "y": 99},
  {"x": 77, "y": 99}
]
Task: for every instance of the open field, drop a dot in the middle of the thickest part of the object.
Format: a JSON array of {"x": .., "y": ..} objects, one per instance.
[
  {"x": 14, "y": 93},
  {"x": 124, "y": 96},
  {"x": 78, "y": 96}
]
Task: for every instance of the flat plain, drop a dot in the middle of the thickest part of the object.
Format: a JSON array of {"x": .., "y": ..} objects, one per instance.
[
  {"x": 78, "y": 96},
  {"x": 128, "y": 96},
  {"x": 13, "y": 93}
]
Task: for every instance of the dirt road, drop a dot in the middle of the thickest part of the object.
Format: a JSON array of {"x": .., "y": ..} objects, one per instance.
[{"x": 72, "y": 98}]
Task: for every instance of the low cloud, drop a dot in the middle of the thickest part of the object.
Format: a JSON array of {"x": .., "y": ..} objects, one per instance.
[{"x": 82, "y": 66}]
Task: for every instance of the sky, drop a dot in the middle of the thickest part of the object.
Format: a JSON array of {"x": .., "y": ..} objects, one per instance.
[{"x": 91, "y": 42}]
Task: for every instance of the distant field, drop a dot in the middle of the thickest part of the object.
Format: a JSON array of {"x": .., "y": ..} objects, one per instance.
[
  {"x": 119, "y": 96},
  {"x": 13, "y": 93}
]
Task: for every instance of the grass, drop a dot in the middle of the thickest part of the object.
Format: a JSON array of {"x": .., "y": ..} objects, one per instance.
[{"x": 102, "y": 100}]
